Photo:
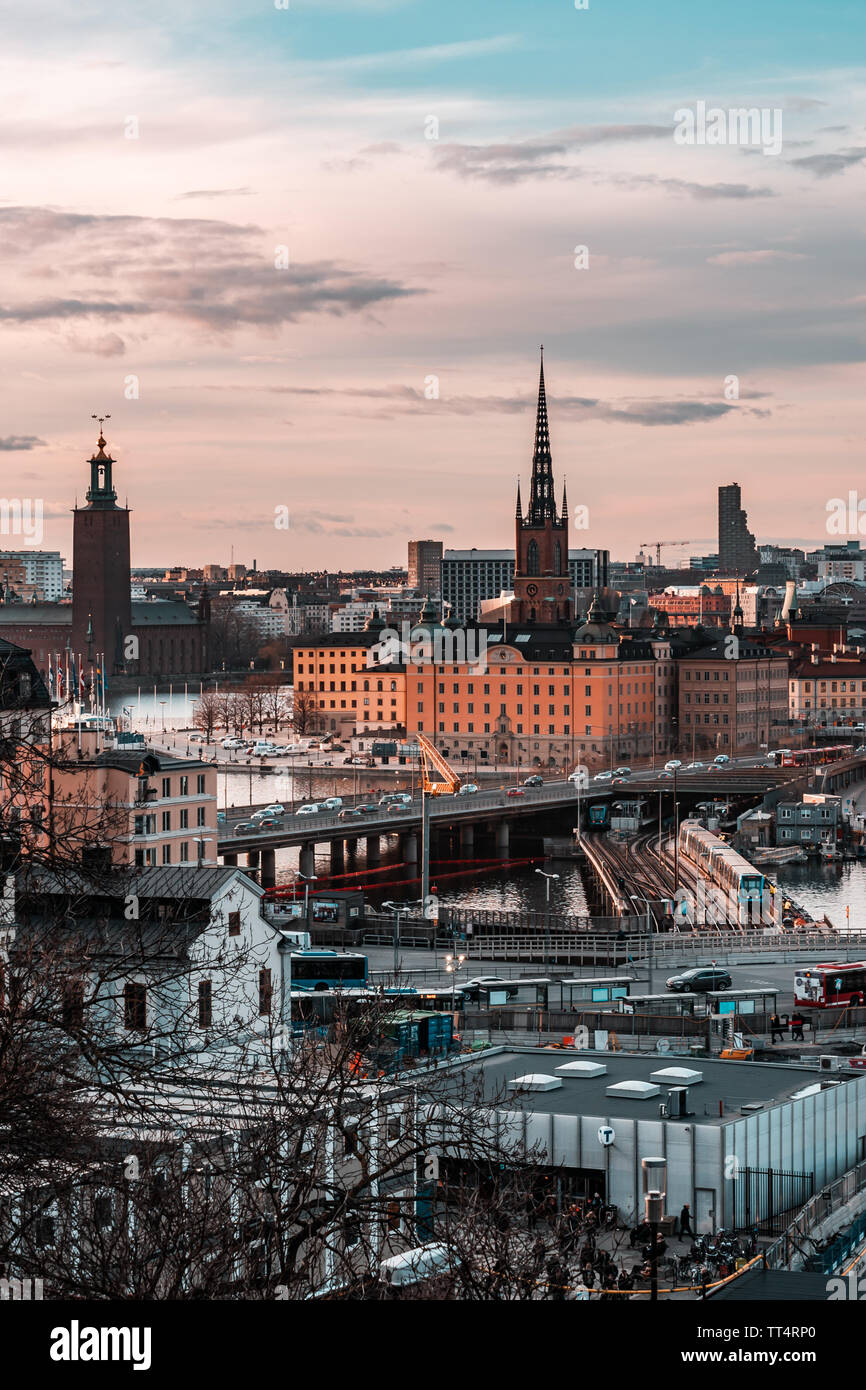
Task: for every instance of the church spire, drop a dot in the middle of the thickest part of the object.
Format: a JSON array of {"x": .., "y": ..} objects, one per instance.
[
  {"x": 564, "y": 502},
  {"x": 542, "y": 504},
  {"x": 519, "y": 508}
]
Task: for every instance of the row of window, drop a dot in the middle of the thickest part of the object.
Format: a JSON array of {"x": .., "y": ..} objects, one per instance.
[{"x": 135, "y": 1002}]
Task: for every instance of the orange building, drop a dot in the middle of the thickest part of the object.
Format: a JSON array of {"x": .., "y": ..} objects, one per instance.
[{"x": 353, "y": 694}]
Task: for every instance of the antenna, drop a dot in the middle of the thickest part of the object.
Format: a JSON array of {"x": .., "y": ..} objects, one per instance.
[{"x": 101, "y": 419}]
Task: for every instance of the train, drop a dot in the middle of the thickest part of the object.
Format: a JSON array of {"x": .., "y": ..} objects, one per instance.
[{"x": 749, "y": 897}]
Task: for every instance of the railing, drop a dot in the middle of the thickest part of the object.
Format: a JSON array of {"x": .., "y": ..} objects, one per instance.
[{"x": 796, "y": 1239}]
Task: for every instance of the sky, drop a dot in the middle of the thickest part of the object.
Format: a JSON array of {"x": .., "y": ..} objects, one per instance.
[{"x": 305, "y": 256}]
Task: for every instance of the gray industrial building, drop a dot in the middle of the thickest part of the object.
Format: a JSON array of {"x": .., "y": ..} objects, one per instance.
[
  {"x": 470, "y": 576},
  {"x": 755, "y": 1140}
]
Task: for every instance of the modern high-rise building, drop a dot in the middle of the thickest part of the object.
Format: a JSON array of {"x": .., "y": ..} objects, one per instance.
[
  {"x": 41, "y": 570},
  {"x": 737, "y": 550},
  {"x": 425, "y": 567}
]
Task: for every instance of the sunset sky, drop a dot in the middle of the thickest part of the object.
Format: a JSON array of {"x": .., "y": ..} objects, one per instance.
[{"x": 409, "y": 258}]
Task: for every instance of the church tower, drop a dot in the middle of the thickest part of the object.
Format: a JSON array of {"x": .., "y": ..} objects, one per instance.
[
  {"x": 101, "y": 598},
  {"x": 542, "y": 579}
]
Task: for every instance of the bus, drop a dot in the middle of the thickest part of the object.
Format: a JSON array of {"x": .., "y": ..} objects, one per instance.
[
  {"x": 321, "y": 970},
  {"x": 812, "y": 757},
  {"x": 832, "y": 986}
]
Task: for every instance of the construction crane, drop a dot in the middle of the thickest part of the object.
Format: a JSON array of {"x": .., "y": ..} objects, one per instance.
[
  {"x": 699, "y": 540},
  {"x": 438, "y": 778}
]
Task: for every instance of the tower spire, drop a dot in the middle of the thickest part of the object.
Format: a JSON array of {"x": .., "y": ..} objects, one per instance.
[
  {"x": 542, "y": 504},
  {"x": 519, "y": 508},
  {"x": 564, "y": 513}
]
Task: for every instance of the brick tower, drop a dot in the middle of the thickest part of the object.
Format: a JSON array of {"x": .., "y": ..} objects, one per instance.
[
  {"x": 100, "y": 567},
  {"x": 542, "y": 580}
]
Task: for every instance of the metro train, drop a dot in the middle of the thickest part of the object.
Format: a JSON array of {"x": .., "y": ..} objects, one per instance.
[{"x": 717, "y": 863}]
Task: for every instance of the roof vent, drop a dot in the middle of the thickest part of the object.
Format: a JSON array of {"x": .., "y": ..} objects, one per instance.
[
  {"x": 677, "y": 1076},
  {"x": 535, "y": 1081},
  {"x": 633, "y": 1090},
  {"x": 582, "y": 1069},
  {"x": 752, "y": 1105}
]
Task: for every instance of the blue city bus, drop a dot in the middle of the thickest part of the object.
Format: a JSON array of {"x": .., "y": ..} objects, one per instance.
[{"x": 321, "y": 970}]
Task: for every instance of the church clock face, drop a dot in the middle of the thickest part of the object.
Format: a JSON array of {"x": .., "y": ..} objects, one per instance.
[{"x": 532, "y": 590}]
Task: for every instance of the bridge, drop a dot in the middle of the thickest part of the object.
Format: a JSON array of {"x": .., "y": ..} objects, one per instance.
[{"x": 495, "y": 810}]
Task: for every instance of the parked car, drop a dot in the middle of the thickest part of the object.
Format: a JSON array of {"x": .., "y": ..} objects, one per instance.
[
  {"x": 699, "y": 980},
  {"x": 312, "y": 809},
  {"x": 332, "y": 803},
  {"x": 673, "y": 765},
  {"x": 534, "y": 781},
  {"x": 338, "y": 748},
  {"x": 246, "y": 827},
  {"x": 721, "y": 758},
  {"x": 603, "y": 777},
  {"x": 515, "y": 791},
  {"x": 233, "y": 743},
  {"x": 197, "y": 738},
  {"x": 623, "y": 772},
  {"x": 467, "y": 789}
]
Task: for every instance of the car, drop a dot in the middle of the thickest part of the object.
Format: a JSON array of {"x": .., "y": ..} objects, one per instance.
[
  {"x": 673, "y": 765},
  {"x": 665, "y": 776},
  {"x": 534, "y": 781},
  {"x": 623, "y": 772},
  {"x": 603, "y": 777},
  {"x": 247, "y": 827},
  {"x": 695, "y": 767},
  {"x": 269, "y": 823},
  {"x": 338, "y": 747},
  {"x": 332, "y": 803},
  {"x": 370, "y": 808},
  {"x": 467, "y": 789},
  {"x": 349, "y": 811},
  {"x": 275, "y": 809},
  {"x": 720, "y": 759},
  {"x": 349, "y": 761},
  {"x": 233, "y": 743},
  {"x": 259, "y": 815},
  {"x": 619, "y": 781},
  {"x": 312, "y": 809},
  {"x": 221, "y": 817},
  {"x": 699, "y": 980},
  {"x": 515, "y": 791},
  {"x": 197, "y": 738}
]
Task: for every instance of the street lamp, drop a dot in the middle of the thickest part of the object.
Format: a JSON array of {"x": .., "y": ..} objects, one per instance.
[
  {"x": 649, "y": 921},
  {"x": 547, "y": 878},
  {"x": 396, "y": 908},
  {"x": 454, "y": 964},
  {"x": 201, "y": 841},
  {"x": 654, "y": 1193},
  {"x": 308, "y": 879}
]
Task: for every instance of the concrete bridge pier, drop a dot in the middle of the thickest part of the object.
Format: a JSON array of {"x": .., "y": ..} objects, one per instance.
[
  {"x": 336, "y": 856},
  {"x": 307, "y": 861},
  {"x": 230, "y": 857},
  {"x": 352, "y": 846},
  {"x": 268, "y": 876},
  {"x": 252, "y": 859},
  {"x": 374, "y": 853},
  {"x": 502, "y": 839},
  {"x": 467, "y": 840},
  {"x": 409, "y": 848}
]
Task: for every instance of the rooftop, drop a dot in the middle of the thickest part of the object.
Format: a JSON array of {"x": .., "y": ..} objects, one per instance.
[{"x": 734, "y": 1084}]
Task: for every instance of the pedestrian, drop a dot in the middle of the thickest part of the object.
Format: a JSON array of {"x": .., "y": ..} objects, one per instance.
[
  {"x": 686, "y": 1222},
  {"x": 797, "y": 1024},
  {"x": 776, "y": 1027},
  {"x": 539, "y": 1250}
]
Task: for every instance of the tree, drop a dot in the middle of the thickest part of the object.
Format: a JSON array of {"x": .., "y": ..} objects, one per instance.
[
  {"x": 306, "y": 717},
  {"x": 207, "y": 713}
]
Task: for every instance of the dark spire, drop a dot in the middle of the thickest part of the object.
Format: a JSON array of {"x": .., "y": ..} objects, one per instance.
[
  {"x": 519, "y": 508},
  {"x": 542, "y": 504},
  {"x": 564, "y": 502}
]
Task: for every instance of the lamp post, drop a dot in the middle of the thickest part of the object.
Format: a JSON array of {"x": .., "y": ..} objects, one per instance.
[
  {"x": 454, "y": 964},
  {"x": 547, "y": 878},
  {"x": 654, "y": 1192},
  {"x": 396, "y": 908},
  {"x": 308, "y": 879},
  {"x": 649, "y": 927}
]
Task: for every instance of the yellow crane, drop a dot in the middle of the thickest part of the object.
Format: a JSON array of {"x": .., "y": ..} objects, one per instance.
[{"x": 438, "y": 777}]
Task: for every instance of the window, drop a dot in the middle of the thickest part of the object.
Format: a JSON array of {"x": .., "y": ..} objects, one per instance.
[
  {"x": 199, "y": 781},
  {"x": 394, "y": 1126},
  {"x": 166, "y": 820},
  {"x": 166, "y": 786},
  {"x": 73, "y": 1003},
  {"x": 234, "y": 924},
  {"x": 205, "y": 1004},
  {"x": 266, "y": 990},
  {"x": 166, "y": 854},
  {"x": 184, "y": 819},
  {"x": 134, "y": 1006},
  {"x": 199, "y": 816},
  {"x": 184, "y": 853}
]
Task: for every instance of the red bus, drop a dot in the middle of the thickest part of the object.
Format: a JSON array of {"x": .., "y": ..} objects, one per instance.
[
  {"x": 830, "y": 986},
  {"x": 811, "y": 757}
]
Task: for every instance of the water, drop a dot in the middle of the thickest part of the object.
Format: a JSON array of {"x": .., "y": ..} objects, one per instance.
[{"x": 828, "y": 889}]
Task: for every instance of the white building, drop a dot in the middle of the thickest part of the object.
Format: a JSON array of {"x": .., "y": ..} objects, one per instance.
[
  {"x": 42, "y": 568},
  {"x": 471, "y": 576}
]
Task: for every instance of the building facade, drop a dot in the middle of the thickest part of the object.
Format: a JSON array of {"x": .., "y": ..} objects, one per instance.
[
  {"x": 425, "y": 567},
  {"x": 737, "y": 550},
  {"x": 733, "y": 696}
]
